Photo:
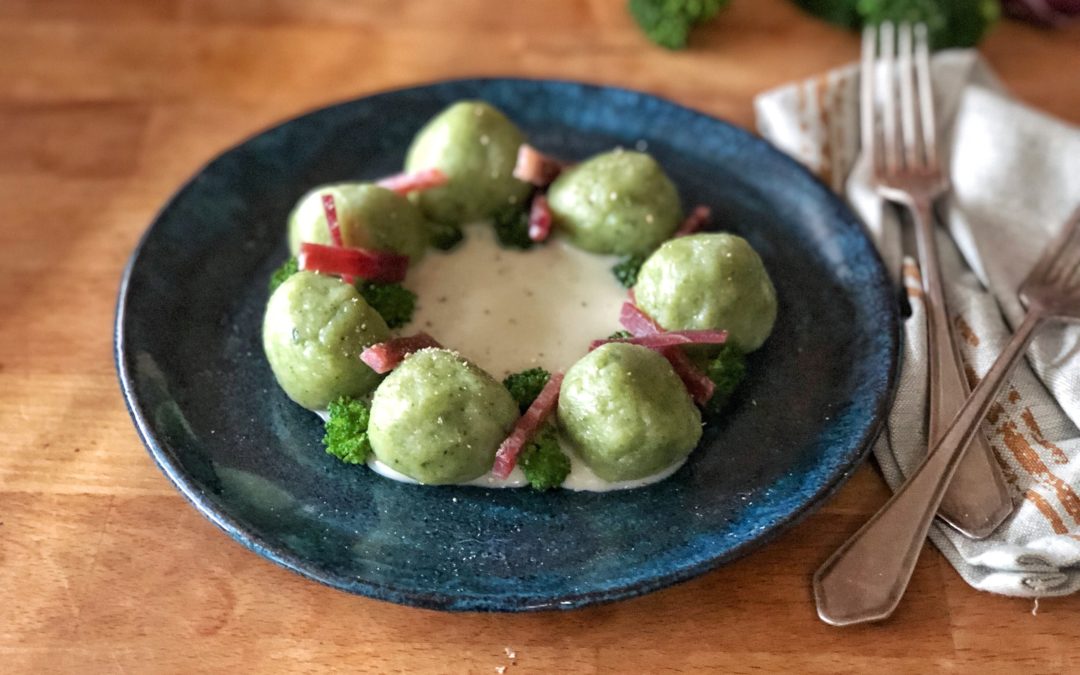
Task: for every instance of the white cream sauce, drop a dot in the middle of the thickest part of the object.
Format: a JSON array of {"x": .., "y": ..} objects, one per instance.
[{"x": 507, "y": 310}]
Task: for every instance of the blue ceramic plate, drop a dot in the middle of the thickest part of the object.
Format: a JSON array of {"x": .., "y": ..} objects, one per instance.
[{"x": 206, "y": 405}]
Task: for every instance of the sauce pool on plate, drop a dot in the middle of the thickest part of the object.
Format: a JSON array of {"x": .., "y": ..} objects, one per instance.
[{"x": 509, "y": 309}]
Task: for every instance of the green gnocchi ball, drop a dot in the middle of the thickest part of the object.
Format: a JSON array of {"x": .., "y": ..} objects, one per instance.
[
  {"x": 476, "y": 146},
  {"x": 439, "y": 419},
  {"x": 370, "y": 217},
  {"x": 620, "y": 202},
  {"x": 314, "y": 330},
  {"x": 626, "y": 413},
  {"x": 709, "y": 282}
]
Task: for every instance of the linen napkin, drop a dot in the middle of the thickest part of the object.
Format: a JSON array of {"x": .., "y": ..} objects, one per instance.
[{"x": 1015, "y": 179}]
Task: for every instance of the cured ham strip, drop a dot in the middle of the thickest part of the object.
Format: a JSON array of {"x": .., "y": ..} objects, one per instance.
[
  {"x": 636, "y": 321},
  {"x": 660, "y": 341},
  {"x": 535, "y": 167},
  {"x": 698, "y": 218},
  {"x": 348, "y": 263},
  {"x": 404, "y": 183},
  {"x": 332, "y": 224},
  {"x": 385, "y": 356},
  {"x": 539, "y": 219},
  {"x": 527, "y": 426},
  {"x": 697, "y": 383}
]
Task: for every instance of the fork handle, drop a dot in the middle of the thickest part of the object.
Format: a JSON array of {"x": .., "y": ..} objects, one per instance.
[
  {"x": 866, "y": 577},
  {"x": 978, "y": 500}
]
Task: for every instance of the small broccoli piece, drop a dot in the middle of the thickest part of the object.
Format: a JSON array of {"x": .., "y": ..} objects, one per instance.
[
  {"x": 287, "y": 269},
  {"x": 346, "y": 431},
  {"x": 668, "y": 22},
  {"x": 512, "y": 228},
  {"x": 543, "y": 462},
  {"x": 444, "y": 237},
  {"x": 727, "y": 370},
  {"x": 626, "y": 270},
  {"x": 393, "y": 302},
  {"x": 620, "y": 335},
  {"x": 526, "y": 385}
]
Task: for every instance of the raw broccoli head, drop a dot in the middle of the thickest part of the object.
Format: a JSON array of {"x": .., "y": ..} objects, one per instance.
[
  {"x": 394, "y": 303},
  {"x": 287, "y": 269},
  {"x": 346, "y": 431},
  {"x": 543, "y": 462},
  {"x": 727, "y": 370},
  {"x": 626, "y": 270},
  {"x": 512, "y": 228},
  {"x": 668, "y": 22},
  {"x": 931, "y": 12},
  {"x": 526, "y": 385},
  {"x": 950, "y": 23}
]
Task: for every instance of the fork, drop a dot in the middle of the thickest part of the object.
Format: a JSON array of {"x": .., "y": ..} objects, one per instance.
[
  {"x": 906, "y": 171},
  {"x": 866, "y": 577}
]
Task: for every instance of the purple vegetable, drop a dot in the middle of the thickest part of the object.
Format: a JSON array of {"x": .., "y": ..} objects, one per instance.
[{"x": 1045, "y": 12}]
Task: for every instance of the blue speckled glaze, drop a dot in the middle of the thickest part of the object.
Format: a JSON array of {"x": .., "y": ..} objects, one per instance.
[{"x": 206, "y": 405}]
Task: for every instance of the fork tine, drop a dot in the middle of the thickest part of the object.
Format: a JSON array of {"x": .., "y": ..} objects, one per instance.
[
  {"x": 867, "y": 77},
  {"x": 888, "y": 111},
  {"x": 926, "y": 95},
  {"x": 908, "y": 105}
]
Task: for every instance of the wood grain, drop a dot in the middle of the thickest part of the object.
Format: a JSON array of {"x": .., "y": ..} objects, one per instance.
[{"x": 107, "y": 105}]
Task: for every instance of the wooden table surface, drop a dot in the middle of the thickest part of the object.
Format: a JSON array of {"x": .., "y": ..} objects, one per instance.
[{"x": 107, "y": 105}]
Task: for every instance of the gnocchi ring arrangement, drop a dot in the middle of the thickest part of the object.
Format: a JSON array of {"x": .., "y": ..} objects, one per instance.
[{"x": 627, "y": 413}]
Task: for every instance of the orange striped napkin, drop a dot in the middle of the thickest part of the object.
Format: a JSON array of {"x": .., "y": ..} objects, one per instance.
[{"x": 1016, "y": 177}]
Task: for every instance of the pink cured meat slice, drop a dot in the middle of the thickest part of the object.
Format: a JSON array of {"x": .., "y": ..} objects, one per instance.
[
  {"x": 535, "y": 167},
  {"x": 353, "y": 262},
  {"x": 527, "y": 426},
  {"x": 698, "y": 218},
  {"x": 404, "y": 183},
  {"x": 385, "y": 356},
  {"x": 639, "y": 323}
]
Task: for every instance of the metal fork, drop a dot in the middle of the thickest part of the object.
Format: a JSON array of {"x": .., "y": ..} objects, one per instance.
[
  {"x": 866, "y": 577},
  {"x": 906, "y": 170}
]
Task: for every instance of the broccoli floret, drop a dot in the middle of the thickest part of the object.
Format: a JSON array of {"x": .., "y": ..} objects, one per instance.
[
  {"x": 444, "y": 237},
  {"x": 727, "y": 370},
  {"x": 626, "y": 270},
  {"x": 526, "y": 385},
  {"x": 668, "y": 22},
  {"x": 393, "y": 302},
  {"x": 950, "y": 23},
  {"x": 543, "y": 461},
  {"x": 620, "y": 335},
  {"x": 931, "y": 12},
  {"x": 512, "y": 228},
  {"x": 287, "y": 269},
  {"x": 346, "y": 431}
]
